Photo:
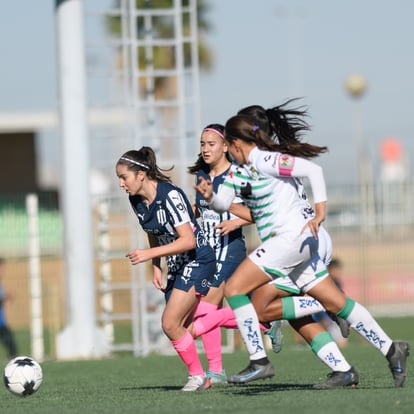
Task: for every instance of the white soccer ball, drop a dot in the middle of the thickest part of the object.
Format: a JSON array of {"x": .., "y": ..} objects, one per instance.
[{"x": 22, "y": 376}]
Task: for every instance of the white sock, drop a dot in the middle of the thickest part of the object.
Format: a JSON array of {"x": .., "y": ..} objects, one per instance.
[
  {"x": 363, "y": 322},
  {"x": 298, "y": 306},
  {"x": 328, "y": 352},
  {"x": 248, "y": 324}
]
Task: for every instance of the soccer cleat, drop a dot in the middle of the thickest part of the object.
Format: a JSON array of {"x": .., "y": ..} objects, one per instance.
[
  {"x": 341, "y": 322},
  {"x": 217, "y": 377},
  {"x": 276, "y": 336},
  {"x": 197, "y": 383},
  {"x": 397, "y": 362},
  {"x": 338, "y": 379},
  {"x": 252, "y": 372}
]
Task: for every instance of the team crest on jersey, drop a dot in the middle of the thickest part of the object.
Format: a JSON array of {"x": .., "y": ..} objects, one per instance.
[
  {"x": 161, "y": 216},
  {"x": 285, "y": 164},
  {"x": 253, "y": 173}
]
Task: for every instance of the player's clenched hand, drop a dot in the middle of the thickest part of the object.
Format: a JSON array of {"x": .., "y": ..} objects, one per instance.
[
  {"x": 315, "y": 222},
  {"x": 157, "y": 279},
  {"x": 204, "y": 188},
  {"x": 227, "y": 226},
  {"x": 313, "y": 226}
]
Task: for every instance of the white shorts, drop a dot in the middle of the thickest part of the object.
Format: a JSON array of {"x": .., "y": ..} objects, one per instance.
[{"x": 294, "y": 265}]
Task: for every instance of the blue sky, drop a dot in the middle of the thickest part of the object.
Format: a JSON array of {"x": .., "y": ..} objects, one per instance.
[
  {"x": 265, "y": 52},
  {"x": 294, "y": 48}
]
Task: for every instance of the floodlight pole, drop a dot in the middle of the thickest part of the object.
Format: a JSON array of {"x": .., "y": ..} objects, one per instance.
[
  {"x": 356, "y": 86},
  {"x": 80, "y": 338}
]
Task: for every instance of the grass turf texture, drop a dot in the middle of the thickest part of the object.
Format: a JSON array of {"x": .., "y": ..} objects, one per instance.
[{"x": 151, "y": 385}]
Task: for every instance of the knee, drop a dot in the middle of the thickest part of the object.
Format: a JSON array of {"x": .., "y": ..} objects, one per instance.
[{"x": 169, "y": 326}]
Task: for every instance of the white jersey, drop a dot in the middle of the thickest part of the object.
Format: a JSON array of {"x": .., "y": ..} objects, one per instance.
[{"x": 269, "y": 185}]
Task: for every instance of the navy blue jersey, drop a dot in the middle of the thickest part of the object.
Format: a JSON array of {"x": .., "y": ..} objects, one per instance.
[
  {"x": 171, "y": 208},
  {"x": 230, "y": 247}
]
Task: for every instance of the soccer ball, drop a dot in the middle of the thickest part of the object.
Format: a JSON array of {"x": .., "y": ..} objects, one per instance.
[{"x": 22, "y": 376}]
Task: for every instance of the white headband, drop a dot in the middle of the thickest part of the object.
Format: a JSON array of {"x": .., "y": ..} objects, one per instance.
[{"x": 135, "y": 162}]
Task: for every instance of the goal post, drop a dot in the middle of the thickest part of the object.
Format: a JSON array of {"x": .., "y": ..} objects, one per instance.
[{"x": 35, "y": 280}]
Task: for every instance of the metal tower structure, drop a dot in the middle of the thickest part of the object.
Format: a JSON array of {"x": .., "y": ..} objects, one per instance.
[
  {"x": 146, "y": 72},
  {"x": 148, "y": 66}
]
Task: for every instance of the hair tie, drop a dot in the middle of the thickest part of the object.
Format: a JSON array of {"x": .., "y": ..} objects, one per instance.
[
  {"x": 255, "y": 128},
  {"x": 135, "y": 162}
]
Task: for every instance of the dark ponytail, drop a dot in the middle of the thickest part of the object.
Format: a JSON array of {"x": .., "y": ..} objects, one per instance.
[
  {"x": 144, "y": 160},
  {"x": 284, "y": 126}
]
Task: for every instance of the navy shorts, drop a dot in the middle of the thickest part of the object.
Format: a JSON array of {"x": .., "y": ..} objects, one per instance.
[
  {"x": 224, "y": 269},
  {"x": 199, "y": 275}
]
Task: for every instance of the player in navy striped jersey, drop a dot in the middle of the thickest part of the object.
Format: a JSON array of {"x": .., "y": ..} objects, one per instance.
[
  {"x": 166, "y": 215},
  {"x": 224, "y": 235},
  {"x": 266, "y": 178}
]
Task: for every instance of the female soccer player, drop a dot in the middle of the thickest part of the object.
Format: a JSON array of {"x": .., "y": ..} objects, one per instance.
[
  {"x": 224, "y": 235},
  {"x": 268, "y": 303},
  {"x": 266, "y": 178},
  {"x": 165, "y": 214}
]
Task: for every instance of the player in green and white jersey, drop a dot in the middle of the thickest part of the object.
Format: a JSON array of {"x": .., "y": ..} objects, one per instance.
[{"x": 266, "y": 179}]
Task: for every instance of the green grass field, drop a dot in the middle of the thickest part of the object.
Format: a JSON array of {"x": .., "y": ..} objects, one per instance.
[{"x": 151, "y": 385}]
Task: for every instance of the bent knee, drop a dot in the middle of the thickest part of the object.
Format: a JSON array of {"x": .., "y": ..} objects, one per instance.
[{"x": 169, "y": 326}]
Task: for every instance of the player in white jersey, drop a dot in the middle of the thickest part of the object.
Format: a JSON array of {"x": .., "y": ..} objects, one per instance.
[
  {"x": 268, "y": 302},
  {"x": 225, "y": 236},
  {"x": 266, "y": 178},
  {"x": 272, "y": 122}
]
